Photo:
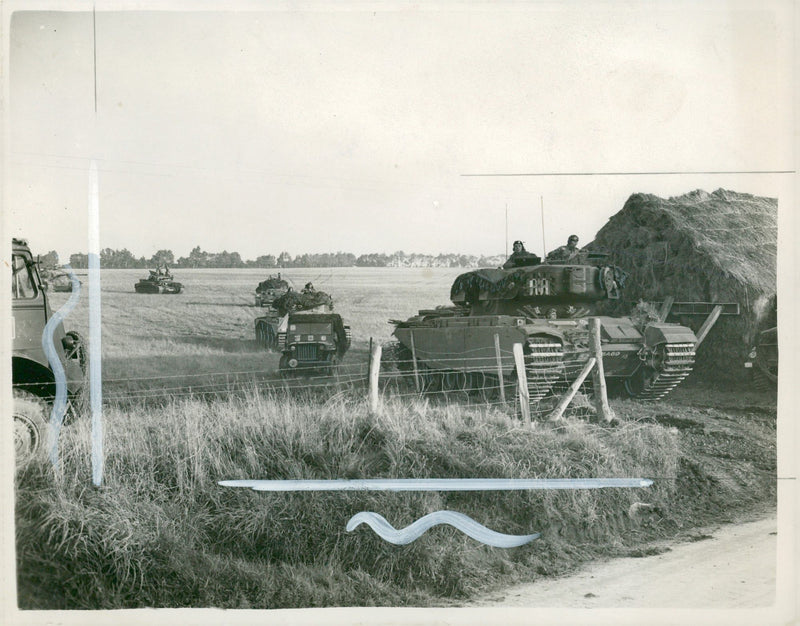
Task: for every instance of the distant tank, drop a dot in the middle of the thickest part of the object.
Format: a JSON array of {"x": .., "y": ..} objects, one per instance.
[
  {"x": 158, "y": 282},
  {"x": 546, "y": 307},
  {"x": 270, "y": 289},
  {"x": 56, "y": 281},
  {"x": 304, "y": 329}
]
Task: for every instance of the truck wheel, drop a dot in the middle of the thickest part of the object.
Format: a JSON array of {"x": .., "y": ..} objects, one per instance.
[
  {"x": 283, "y": 367},
  {"x": 80, "y": 348},
  {"x": 331, "y": 365},
  {"x": 30, "y": 426}
]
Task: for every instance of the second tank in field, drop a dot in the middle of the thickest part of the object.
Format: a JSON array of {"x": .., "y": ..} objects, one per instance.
[
  {"x": 270, "y": 289},
  {"x": 545, "y": 307}
]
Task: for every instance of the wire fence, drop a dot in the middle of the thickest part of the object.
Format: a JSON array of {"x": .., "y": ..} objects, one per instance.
[{"x": 478, "y": 376}]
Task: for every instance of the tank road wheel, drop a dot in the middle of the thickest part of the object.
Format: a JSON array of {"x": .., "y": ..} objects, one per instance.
[
  {"x": 265, "y": 337},
  {"x": 476, "y": 381},
  {"x": 260, "y": 335},
  {"x": 490, "y": 389},
  {"x": 667, "y": 366},
  {"x": 430, "y": 381},
  {"x": 637, "y": 384},
  {"x": 544, "y": 366},
  {"x": 454, "y": 381},
  {"x": 31, "y": 415},
  {"x": 79, "y": 349}
]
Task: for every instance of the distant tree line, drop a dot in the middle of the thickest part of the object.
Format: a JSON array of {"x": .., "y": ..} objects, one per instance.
[{"x": 200, "y": 258}]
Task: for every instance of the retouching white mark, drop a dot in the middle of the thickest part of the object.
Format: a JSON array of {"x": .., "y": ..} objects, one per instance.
[
  {"x": 464, "y": 523},
  {"x": 60, "y": 402},
  {"x": 95, "y": 368},
  {"x": 438, "y": 484}
]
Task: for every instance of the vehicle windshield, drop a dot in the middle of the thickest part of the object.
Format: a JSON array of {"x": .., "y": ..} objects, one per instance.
[{"x": 22, "y": 283}]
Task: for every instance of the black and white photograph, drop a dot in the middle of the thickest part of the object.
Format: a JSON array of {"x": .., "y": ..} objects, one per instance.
[{"x": 399, "y": 312}]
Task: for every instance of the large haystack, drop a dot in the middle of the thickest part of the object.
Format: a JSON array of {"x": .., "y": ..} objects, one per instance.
[{"x": 718, "y": 247}]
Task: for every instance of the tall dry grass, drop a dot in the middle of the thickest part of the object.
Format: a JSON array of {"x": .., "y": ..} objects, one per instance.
[{"x": 162, "y": 532}]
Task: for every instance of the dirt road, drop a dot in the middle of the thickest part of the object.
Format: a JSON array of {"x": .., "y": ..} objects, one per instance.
[{"x": 733, "y": 567}]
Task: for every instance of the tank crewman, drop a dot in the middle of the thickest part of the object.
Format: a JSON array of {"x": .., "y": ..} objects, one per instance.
[
  {"x": 566, "y": 253},
  {"x": 520, "y": 257},
  {"x": 309, "y": 288}
]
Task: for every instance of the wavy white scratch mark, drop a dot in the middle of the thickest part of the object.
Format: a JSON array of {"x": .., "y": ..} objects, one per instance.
[
  {"x": 462, "y": 522},
  {"x": 60, "y": 402}
]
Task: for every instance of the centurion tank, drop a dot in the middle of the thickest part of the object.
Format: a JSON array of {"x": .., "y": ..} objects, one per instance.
[
  {"x": 158, "y": 282},
  {"x": 546, "y": 308}
]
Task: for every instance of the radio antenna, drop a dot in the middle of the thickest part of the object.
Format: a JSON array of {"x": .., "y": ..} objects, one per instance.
[
  {"x": 506, "y": 228},
  {"x": 544, "y": 247}
]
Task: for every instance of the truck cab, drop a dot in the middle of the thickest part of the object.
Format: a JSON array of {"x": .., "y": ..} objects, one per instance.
[
  {"x": 33, "y": 381},
  {"x": 312, "y": 340}
]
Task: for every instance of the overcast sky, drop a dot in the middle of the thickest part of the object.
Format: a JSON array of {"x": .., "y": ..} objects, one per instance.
[{"x": 313, "y": 129}]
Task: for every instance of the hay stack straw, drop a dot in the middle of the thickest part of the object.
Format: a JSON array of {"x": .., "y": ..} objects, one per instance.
[{"x": 718, "y": 247}]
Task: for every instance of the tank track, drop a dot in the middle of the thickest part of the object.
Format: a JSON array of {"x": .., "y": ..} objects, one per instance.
[
  {"x": 544, "y": 367},
  {"x": 676, "y": 364},
  {"x": 763, "y": 379}
]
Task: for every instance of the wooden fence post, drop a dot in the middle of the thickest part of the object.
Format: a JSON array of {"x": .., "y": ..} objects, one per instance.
[
  {"x": 573, "y": 389},
  {"x": 598, "y": 375},
  {"x": 710, "y": 321},
  {"x": 665, "y": 308},
  {"x": 414, "y": 361},
  {"x": 499, "y": 368},
  {"x": 522, "y": 384},
  {"x": 374, "y": 373}
]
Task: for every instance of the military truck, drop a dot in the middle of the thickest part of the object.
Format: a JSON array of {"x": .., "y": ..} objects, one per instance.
[
  {"x": 33, "y": 381},
  {"x": 305, "y": 330},
  {"x": 762, "y": 360}
]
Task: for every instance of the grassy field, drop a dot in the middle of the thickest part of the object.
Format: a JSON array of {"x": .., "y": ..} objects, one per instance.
[
  {"x": 167, "y": 341},
  {"x": 161, "y": 532}
]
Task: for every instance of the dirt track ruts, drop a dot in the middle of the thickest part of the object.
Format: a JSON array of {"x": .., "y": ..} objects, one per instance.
[{"x": 733, "y": 567}]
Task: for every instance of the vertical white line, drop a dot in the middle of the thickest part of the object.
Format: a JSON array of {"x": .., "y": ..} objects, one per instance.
[
  {"x": 95, "y": 369},
  {"x": 94, "y": 54}
]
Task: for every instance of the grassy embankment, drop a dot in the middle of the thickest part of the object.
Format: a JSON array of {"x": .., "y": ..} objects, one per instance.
[{"x": 161, "y": 532}]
